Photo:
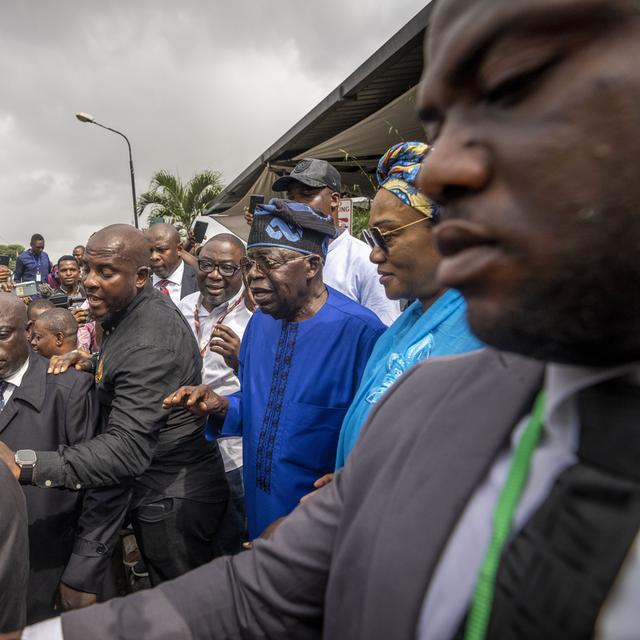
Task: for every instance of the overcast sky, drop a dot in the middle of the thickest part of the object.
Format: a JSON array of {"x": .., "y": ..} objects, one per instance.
[{"x": 193, "y": 84}]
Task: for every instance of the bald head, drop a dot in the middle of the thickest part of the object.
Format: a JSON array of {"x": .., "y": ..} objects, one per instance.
[
  {"x": 14, "y": 347},
  {"x": 227, "y": 238},
  {"x": 122, "y": 241},
  {"x": 163, "y": 230},
  {"x": 12, "y": 307},
  {"x": 117, "y": 268}
]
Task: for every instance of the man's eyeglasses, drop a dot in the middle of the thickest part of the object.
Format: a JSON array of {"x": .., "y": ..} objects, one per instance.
[
  {"x": 375, "y": 237},
  {"x": 264, "y": 264},
  {"x": 225, "y": 269}
]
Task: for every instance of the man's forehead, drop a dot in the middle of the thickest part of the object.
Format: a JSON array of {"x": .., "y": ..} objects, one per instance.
[{"x": 460, "y": 28}]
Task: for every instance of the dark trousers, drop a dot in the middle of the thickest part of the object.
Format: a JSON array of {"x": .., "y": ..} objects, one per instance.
[
  {"x": 176, "y": 535},
  {"x": 232, "y": 532}
]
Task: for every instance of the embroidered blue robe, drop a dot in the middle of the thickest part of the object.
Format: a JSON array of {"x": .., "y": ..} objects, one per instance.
[{"x": 297, "y": 381}]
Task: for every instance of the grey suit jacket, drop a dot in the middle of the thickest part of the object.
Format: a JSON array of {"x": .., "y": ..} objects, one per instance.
[
  {"x": 14, "y": 553},
  {"x": 356, "y": 559},
  {"x": 189, "y": 283}
]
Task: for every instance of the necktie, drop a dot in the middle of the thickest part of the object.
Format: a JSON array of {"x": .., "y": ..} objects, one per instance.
[
  {"x": 555, "y": 575},
  {"x": 3, "y": 387},
  {"x": 162, "y": 286}
]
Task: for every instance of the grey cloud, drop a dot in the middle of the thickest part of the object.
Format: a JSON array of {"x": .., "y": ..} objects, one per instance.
[{"x": 193, "y": 84}]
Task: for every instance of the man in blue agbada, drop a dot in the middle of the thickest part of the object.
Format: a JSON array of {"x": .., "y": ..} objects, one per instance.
[
  {"x": 301, "y": 360},
  {"x": 400, "y": 237}
]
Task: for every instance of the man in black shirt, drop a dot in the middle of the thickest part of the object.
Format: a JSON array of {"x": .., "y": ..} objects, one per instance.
[{"x": 178, "y": 487}]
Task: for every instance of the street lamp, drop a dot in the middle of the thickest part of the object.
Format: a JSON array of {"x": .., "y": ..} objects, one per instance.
[{"x": 87, "y": 117}]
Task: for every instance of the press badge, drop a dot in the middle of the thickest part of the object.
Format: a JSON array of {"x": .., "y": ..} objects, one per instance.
[{"x": 38, "y": 277}]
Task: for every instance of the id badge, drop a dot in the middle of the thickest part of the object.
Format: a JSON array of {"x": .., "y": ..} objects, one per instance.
[{"x": 38, "y": 277}]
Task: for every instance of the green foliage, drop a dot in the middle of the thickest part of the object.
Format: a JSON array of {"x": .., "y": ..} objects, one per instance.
[
  {"x": 178, "y": 203},
  {"x": 11, "y": 250},
  {"x": 360, "y": 219}
]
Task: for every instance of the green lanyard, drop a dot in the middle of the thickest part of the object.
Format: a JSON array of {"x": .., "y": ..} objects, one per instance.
[{"x": 480, "y": 612}]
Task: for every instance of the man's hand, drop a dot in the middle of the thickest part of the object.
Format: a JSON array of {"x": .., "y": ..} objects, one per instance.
[
  {"x": 248, "y": 216},
  {"x": 81, "y": 315},
  {"x": 12, "y": 635},
  {"x": 226, "y": 343},
  {"x": 77, "y": 358},
  {"x": 200, "y": 400},
  {"x": 5, "y": 278},
  {"x": 69, "y": 598},
  {"x": 7, "y": 456},
  {"x": 318, "y": 484}
]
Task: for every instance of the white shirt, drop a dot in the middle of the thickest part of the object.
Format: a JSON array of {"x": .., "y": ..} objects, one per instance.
[
  {"x": 215, "y": 372},
  {"x": 349, "y": 270},
  {"x": 14, "y": 381},
  {"x": 174, "y": 284},
  {"x": 449, "y": 594}
]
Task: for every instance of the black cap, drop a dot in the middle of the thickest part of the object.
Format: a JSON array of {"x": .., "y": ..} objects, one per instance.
[{"x": 313, "y": 173}]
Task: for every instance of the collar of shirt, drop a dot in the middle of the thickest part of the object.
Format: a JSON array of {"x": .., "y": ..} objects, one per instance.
[
  {"x": 338, "y": 240},
  {"x": 15, "y": 379},
  {"x": 110, "y": 323},
  {"x": 175, "y": 277},
  {"x": 562, "y": 384}
]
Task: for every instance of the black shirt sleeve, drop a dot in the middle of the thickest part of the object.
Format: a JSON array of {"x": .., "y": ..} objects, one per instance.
[{"x": 141, "y": 378}]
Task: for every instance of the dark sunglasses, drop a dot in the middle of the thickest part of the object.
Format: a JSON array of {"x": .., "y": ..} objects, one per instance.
[
  {"x": 375, "y": 237},
  {"x": 264, "y": 264},
  {"x": 225, "y": 269}
]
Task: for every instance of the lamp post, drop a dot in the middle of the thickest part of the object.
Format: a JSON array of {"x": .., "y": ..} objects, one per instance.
[{"x": 86, "y": 117}]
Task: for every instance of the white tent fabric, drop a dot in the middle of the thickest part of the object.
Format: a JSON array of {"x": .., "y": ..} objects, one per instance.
[{"x": 395, "y": 122}]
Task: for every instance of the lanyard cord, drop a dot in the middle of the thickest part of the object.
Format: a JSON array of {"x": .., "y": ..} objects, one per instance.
[
  {"x": 221, "y": 319},
  {"x": 482, "y": 602}
]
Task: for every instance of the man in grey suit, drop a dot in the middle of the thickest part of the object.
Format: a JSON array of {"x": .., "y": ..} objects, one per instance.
[
  {"x": 14, "y": 553},
  {"x": 532, "y": 107}
]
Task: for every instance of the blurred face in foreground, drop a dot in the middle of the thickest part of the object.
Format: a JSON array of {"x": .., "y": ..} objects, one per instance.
[{"x": 532, "y": 107}]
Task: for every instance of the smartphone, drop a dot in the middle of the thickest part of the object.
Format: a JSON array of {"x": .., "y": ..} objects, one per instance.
[
  {"x": 76, "y": 302},
  {"x": 254, "y": 200},
  {"x": 26, "y": 289},
  {"x": 199, "y": 230},
  {"x": 4, "y": 260},
  {"x": 60, "y": 300}
]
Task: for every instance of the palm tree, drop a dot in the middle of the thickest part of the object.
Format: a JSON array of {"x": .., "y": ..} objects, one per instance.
[{"x": 177, "y": 202}]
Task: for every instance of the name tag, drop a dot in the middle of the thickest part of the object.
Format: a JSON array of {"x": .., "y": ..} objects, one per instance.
[{"x": 38, "y": 277}]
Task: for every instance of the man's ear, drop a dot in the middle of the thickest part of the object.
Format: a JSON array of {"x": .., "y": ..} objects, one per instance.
[
  {"x": 142, "y": 277},
  {"x": 60, "y": 337},
  {"x": 180, "y": 248},
  {"x": 313, "y": 266}
]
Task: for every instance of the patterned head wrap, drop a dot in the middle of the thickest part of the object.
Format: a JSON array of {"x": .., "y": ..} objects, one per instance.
[{"x": 397, "y": 172}]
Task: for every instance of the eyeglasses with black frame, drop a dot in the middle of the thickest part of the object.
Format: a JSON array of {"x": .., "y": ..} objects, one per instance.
[
  {"x": 264, "y": 264},
  {"x": 225, "y": 269},
  {"x": 375, "y": 237}
]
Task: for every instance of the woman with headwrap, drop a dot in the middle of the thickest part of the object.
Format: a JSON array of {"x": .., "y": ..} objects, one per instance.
[{"x": 400, "y": 236}]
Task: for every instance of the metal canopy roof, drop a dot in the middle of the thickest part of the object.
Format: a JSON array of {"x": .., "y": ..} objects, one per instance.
[{"x": 387, "y": 74}]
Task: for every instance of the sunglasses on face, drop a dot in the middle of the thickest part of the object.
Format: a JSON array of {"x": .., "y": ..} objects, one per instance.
[
  {"x": 375, "y": 237},
  {"x": 225, "y": 269},
  {"x": 265, "y": 265}
]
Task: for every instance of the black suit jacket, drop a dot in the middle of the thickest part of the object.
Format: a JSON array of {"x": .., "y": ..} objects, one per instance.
[
  {"x": 14, "y": 553},
  {"x": 355, "y": 560},
  {"x": 189, "y": 281},
  {"x": 44, "y": 412}
]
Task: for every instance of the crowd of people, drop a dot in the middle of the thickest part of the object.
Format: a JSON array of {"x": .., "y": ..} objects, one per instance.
[{"x": 295, "y": 455}]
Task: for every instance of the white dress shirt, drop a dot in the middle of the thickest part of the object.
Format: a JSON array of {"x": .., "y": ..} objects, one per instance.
[
  {"x": 14, "y": 381},
  {"x": 174, "y": 283},
  {"x": 449, "y": 594},
  {"x": 215, "y": 371},
  {"x": 349, "y": 270}
]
